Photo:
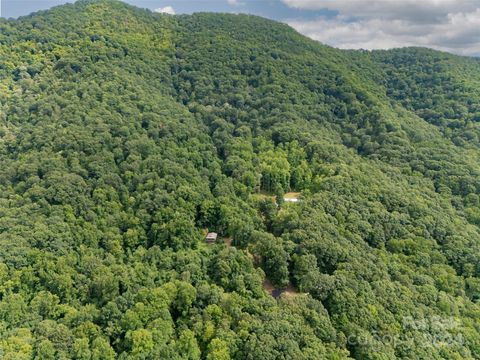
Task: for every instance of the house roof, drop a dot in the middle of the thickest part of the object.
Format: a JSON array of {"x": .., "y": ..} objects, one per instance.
[{"x": 211, "y": 235}]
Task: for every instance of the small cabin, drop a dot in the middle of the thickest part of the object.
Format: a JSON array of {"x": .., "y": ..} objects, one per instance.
[
  {"x": 211, "y": 237},
  {"x": 276, "y": 293}
]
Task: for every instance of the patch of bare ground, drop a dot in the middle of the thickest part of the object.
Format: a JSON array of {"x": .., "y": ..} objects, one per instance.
[{"x": 291, "y": 195}]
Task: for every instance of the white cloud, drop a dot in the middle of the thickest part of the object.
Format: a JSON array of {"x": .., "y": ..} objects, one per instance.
[
  {"x": 235, "y": 3},
  {"x": 415, "y": 10},
  {"x": 449, "y": 25},
  {"x": 165, "y": 10}
]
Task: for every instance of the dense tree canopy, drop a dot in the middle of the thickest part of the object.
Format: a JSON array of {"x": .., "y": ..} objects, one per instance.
[{"x": 125, "y": 135}]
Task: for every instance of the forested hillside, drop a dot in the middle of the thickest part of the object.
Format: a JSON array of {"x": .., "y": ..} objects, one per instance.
[{"x": 126, "y": 135}]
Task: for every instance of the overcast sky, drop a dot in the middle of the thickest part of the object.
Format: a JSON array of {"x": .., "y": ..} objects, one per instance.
[{"x": 450, "y": 25}]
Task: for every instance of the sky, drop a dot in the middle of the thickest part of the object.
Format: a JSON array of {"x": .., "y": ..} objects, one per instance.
[{"x": 448, "y": 25}]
